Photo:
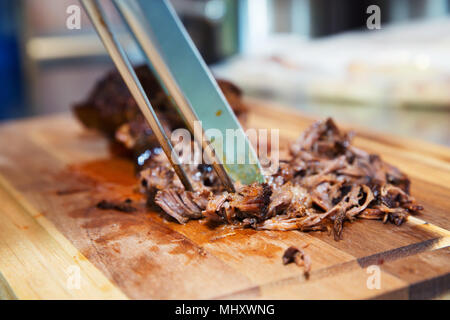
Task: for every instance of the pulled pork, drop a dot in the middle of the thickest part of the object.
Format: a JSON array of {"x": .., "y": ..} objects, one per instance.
[
  {"x": 294, "y": 254},
  {"x": 324, "y": 182}
]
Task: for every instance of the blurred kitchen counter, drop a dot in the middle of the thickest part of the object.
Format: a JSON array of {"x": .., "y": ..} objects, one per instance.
[
  {"x": 394, "y": 80},
  {"x": 429, "y": 125}
]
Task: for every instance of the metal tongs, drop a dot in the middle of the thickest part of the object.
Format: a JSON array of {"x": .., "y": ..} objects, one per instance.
[{"x": 183, "y": 73}]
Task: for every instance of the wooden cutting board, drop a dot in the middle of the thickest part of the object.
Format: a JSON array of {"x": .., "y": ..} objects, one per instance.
[{"x": 53, "y": 173}]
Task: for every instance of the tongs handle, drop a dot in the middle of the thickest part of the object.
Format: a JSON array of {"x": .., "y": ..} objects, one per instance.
[{"x": 123, "y": 64}]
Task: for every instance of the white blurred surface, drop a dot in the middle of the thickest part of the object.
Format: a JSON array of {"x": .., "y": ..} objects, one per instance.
[{"x": 396, "y": 79}]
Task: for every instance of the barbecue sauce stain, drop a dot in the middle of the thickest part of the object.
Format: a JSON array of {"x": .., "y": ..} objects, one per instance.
[
  {"x": 114, "y": 179},
  {"x": 114, "y": 170}
]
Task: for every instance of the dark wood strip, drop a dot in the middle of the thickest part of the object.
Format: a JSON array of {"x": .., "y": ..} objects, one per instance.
[
  {"x": 288, "y": 114},
  {"x": 427, "y": 271},
  {"x": 398, "y": 253},
  {"x": 376, "y": 259}
]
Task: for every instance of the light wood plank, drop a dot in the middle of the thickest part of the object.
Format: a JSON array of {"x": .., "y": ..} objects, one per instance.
[{"x": 35, "y": 258}]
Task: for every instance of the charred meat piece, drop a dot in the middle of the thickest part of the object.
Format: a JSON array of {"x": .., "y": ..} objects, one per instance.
[
  {"x": 293, "y": 254},
  {"x": 323, "y": 138},
  {"x": 111, "y": 109},
  {"x": 110, "y": 104},
  {"x": 249, "y": 204},
  {"x": 159, "y": 175}
]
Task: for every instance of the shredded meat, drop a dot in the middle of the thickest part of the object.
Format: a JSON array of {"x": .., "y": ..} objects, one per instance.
[
  {"x": 294, "y": 254},
  {"x": 324, "y": 183},
  {"x": 182, "y": 205}
]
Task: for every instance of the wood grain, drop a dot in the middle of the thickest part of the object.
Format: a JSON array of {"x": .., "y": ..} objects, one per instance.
[
  {"x": 53, "y": 173},
  {"x": 35, "y": 257}
]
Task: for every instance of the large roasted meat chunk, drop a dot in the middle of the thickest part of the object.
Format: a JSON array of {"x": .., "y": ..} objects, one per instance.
[{"x": 111, "y": 109}]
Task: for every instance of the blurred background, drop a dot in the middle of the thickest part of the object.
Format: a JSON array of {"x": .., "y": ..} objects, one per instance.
[{"x": 318, "y": 56}]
